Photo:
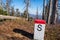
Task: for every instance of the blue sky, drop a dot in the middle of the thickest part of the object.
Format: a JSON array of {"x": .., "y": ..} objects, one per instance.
[{"x": 32, "y": 8}]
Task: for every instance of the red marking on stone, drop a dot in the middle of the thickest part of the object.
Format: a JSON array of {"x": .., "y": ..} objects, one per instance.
[{"x": 38, "y": 21}]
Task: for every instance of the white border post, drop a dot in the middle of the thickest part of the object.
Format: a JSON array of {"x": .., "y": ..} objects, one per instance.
[{"x": 39, "y": 29}]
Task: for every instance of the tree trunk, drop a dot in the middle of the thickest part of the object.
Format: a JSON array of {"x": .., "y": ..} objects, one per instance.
[
  {"x": 8, "y": 3},
  {"x": 37, "y": 13},
  {"x": 53, "y": 12},
  {"x": 27, "y": 5},
  {"x": 48, "y": 9},
  {"x": 50, "y": 12},
  {"x": 56, "y": 14},
  {"x": 43, "y": 14}
]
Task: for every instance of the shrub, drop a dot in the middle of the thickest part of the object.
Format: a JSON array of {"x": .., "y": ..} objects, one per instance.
[{"x": 3, "y": 12}]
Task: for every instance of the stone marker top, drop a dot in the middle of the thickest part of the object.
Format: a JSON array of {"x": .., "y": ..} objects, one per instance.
[{"x": 39, "y": 21}]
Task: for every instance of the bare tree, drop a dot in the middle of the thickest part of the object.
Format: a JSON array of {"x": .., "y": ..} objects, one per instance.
[
  {"x": 56, "y": 13},
  {"x": 43, "y": 10},
  {"x": 8, "y": 3},
  {"x": 46, "y": 10},
  {"x": 12, "y": 11},
  {"x": 37, "y": 13},
  {"x": 50, "y": 12},
  {"x": 17, "y": 13},
  {"x": 27, "y": 6},
  {"x": 58, "y": 10},
  {"x": 53, "y": 15},
  {"x": 1, "y": 4}
]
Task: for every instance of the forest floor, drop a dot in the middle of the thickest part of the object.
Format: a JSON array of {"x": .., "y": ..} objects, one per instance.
[{"x": 23, "y": 30}]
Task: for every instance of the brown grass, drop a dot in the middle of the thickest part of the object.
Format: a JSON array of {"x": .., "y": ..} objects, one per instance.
[{"x": 6, "y": 30}]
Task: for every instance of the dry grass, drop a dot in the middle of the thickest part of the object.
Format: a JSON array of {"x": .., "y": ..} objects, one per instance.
[
  {"x": 6, "y": 30},
  {"x": 52, "y": 32}
]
